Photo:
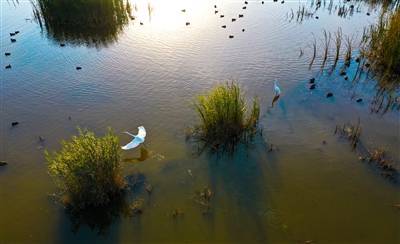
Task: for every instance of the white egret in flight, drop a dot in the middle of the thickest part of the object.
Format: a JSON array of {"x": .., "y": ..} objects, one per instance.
[
  {"x": 277, "y": 92},
  {"x": 138, "y": 139}
]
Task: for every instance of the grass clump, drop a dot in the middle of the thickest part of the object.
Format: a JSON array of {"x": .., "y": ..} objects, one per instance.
[
  {"x": 383, "y": 46},
  {"x": 225, "y": 117},
  {"x": 87, "y": 170}
]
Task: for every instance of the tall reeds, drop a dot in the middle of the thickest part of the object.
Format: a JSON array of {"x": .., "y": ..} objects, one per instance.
[{"x": 225, "y": 118}]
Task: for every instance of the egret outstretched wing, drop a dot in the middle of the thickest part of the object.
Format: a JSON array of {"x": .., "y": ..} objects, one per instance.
[
  {"x": 137, "y": 140},
  {"x": 134, "y": 143}
]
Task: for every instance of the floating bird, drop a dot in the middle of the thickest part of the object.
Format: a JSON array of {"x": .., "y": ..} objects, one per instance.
[
  {"x": 221, "y": 16},
  {"x": 233, "y": 19},
  {"x": 187, "y": 23},
  {"x": 16, "y": 32},
  {"x": 224, "y": 26},
  {"x": 244, "y": 7},
  {"x": 277, "y": 92},
  {"x": 243, "y": 30},
  {"x": 7, "y": 54},
  {"x": 8, "y": 66},
  {"x": 359, "y": 100},
  {"x": 13, "y": 40},
  {"x": 62, "y": 44},
  {"x": 138, "y": 139},
  {"x": 262, "y": 2},
  {"x": 329, "y": 94},
  {"x": 312, "y": 87},
  {"x": 141, "y": 23},
  {"x": 12, "y": 34},
  {"x": 245, "y": 2},
  {"x": 183, "y": 10},
  {"x": 240, "y": 15},
  {"x": 15, "y": 123},
  {"x": 78, "y": 68},
  {"x": 215, "y": 6},
  {"x": 312, "y": 80},
  {"x": 216, "y": 11},
  {"x": 231, "y": 36}
]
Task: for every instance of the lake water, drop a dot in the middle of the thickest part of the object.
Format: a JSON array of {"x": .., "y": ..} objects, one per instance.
[{"x": 149, "y": 74}]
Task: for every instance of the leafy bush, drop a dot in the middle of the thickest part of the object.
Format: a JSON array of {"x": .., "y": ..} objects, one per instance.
[
  {"x": 87, "y": 169},
  {"x": 225, "y": 119}
]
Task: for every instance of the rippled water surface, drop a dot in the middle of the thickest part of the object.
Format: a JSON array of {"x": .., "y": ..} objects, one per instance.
[{"x": 147, "y": 72}]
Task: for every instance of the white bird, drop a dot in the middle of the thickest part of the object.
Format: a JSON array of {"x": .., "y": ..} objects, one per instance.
[
  {"x": 138, "y": 139},
  {"x": 276, "y": 88},
  {"x": 277, "y": 91}
]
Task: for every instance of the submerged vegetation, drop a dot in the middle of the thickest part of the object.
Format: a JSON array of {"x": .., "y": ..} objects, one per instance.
[
  {"x": 87, "y": 170},
  {"x": 90, "y": 22},
  {"x": 225, "y": 117}
]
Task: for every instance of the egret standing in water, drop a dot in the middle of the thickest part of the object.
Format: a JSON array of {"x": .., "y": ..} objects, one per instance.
[
  {"x": 138, "y": 139},
  {"x": 277, "y": 93}
]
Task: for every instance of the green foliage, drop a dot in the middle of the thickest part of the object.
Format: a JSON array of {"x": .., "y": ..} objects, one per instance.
[
  {"x": 90, "y": 22},
  {"x": 87, "y": 169},
  {"x": 383, "y": 48},
  {"x": 225, "y": 119}
]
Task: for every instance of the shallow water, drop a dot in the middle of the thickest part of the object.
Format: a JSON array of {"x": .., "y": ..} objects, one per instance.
[{"x": 149, "y": 75}]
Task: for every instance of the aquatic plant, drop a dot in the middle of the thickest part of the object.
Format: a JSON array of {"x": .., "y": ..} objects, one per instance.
[
  {"x": 87, "y": 169},
  {"x": 383, "y": 46},
  {"x": 338, "y": 45},
  {"x": 89, "y": 22},
  {"x": 314, "y": 45},
  {"x": 327, "y": 42},
  {"x": 225, "y": 118}
]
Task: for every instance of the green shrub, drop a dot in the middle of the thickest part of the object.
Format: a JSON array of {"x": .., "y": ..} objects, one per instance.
[
  {"x": 225, "y": 118},
  {"x": 87, "y": 169}
]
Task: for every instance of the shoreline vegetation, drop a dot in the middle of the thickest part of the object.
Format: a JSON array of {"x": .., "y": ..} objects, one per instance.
[
  {"x": 87, "y": 170},
  {"x": 378, "y": 57},
  {"x": 225, "y": 118}
]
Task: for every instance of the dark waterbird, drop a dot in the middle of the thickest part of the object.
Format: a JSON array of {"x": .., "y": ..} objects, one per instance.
[
  {"x": 231, "y": 36},
  {"x": 312, "y": 81},
  {"x": 224, "y": 26},
  {"x": 329, "y": 94},
  {"x": 262, "y": 2},
  {"x": 187, "y": 23},
  {"x": 12, "y": 34},
  {"x": 221, "y": 16},
  {"x": 243, "y": 30},
  {"x": 7, "y": 54},
  {"x": 183, "y": 10},
  {"x": 245, "y": 2},
  {"x": 15, "y": 123},
  {"x": 215, "y": 6},
  {"x": 78, "y": 67},
  {"x": 3, "y": 163},
  {"x": 216, "y": 12},
  {"x": 233, "y": 19},
  {"x": 13, "y": 40},
  {"x": 244, "y": 7},
  {"x": 62, "y": 44},
  {"x": 359, "y": 100},
  {"x": 8, "y": 66},
  {"x": 312, "y": 87},
  {"x": 16, "y": 32},
  {"x": 240, "y": 15}
]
